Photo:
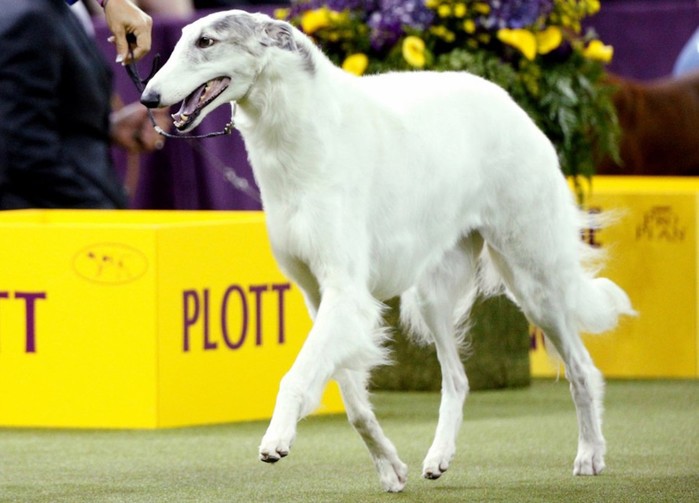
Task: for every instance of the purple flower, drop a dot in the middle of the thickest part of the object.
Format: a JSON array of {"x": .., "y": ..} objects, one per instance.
[
  {"x": 354, "y": 5},
  {"x": 515, "y": 13},
  {"x": 389, "y": 21},
  {"x": 364, "y": 6}
]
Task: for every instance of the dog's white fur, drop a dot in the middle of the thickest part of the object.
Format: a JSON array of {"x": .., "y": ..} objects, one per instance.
[{"x": 401, "y": 184}]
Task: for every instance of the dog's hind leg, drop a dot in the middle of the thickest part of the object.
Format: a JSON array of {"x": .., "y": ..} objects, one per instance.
[
  {"x": 587, "y": 390},
  {"x": 392, "y": 471},
  {"x": 548, "y": 299},
  {"x": 438, "y": 296},
  {"x": 344, "y": 335}
]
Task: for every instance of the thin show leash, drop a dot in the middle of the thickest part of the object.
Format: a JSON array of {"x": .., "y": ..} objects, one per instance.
[{"x": 239, "y": 183}]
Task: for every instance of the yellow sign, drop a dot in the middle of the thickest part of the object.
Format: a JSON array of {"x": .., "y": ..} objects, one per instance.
[
  {"x": 143, "y": 319},
  {"x": 652, "y": 254}
]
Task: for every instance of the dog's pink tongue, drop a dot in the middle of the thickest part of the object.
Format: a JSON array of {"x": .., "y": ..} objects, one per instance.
[{"x": 191, "y": 102}]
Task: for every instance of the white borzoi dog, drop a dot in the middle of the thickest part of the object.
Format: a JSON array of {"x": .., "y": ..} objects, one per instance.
[{"x": 412, "y": 184}]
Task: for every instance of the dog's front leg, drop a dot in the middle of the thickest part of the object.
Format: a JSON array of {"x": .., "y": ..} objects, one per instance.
[
  {"x": 344, "y": 335},
  {"x": 392, "y": 471}
]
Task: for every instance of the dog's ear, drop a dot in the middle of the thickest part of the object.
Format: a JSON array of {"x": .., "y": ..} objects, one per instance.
[{"x": 278, "y": 34}]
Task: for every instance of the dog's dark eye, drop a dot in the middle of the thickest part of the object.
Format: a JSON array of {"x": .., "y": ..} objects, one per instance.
[{"x": 205, "y": 42}]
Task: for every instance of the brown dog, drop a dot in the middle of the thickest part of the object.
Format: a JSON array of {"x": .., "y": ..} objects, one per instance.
[{"x": 660, "y": 127}]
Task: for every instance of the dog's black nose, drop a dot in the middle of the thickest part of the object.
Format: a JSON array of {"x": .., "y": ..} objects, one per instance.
[{"x": 150, "y": 99}]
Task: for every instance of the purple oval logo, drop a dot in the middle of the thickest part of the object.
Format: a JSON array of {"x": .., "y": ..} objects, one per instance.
[{"x": 110, "y": 263}]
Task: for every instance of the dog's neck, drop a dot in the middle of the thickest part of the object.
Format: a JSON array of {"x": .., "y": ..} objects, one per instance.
[
  {"x": 286, "y": 82},
  {"x": 292, "y": 97}
]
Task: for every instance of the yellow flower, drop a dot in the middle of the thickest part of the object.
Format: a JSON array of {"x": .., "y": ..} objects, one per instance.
[
  {"x": 593, "y": 6},
  {"x": 523, "y": 40},
  {"x": 597, "y": 51},
  {"x": 355, "y": 63},
  {"x": 314, "y": 20},
  {"x": 469, "y": 26},
  {"x": 482, "y": 8},
  {"x": 444, "y": 10},
  {"x": 548, "y": 40},
  {"x": 338, "y": 17},
  {"x": 460, "y": 10},
  {"x": 443, "y": 32},
  {"x": 281, "y": 13},
  {"x": 414, "y": 51},
  {"x": 432, "y": 4}
]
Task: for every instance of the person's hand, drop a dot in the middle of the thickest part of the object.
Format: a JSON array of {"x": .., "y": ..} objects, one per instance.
[
  {"x": 124, "y": 17},
  {"x": 131, "y": 129}
]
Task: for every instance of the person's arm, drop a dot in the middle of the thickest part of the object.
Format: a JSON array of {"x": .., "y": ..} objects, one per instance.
[
  {"x": 177, "y": 8},
  {"x": 123, "y": 17}
]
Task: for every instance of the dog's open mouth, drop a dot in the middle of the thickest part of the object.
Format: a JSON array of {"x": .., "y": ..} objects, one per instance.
[{"x": 195, "y": 102}]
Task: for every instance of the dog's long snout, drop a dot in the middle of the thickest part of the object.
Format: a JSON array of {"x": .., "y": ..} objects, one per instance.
[{"x": 150, "y": 99}]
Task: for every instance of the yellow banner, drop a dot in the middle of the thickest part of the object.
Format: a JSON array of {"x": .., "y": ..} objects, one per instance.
[
  {"x": 143, "y": 319},
  {"x": 652, "y": 251}
]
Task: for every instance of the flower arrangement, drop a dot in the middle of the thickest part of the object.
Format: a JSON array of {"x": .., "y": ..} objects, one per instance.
[{"x": 535, "y": 49}]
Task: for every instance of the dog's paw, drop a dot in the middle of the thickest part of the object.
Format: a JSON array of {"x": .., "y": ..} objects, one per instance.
[
  {"x": 272, "y": 456},
  {"x": 392, "y": 474},
  {"x": 435, "y": 469},
  {"x": 589, "y": 461},
  {"x": 435, "y": 464},
  {"x": 272, "y": 450}
]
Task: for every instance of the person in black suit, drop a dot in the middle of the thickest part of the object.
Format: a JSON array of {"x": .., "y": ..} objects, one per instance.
[{"x": 55, "y": 127}]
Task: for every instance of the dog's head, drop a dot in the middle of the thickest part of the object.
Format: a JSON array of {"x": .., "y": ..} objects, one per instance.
[{"x": 217, "y": 60}]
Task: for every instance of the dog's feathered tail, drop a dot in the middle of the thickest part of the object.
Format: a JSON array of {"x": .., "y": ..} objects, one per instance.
[{"x": 600, "y": 302}]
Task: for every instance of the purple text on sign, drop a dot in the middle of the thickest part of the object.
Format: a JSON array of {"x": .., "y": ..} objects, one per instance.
[
  {"x": 29, "y": 299},
  {"x": 238, "y": 308}
]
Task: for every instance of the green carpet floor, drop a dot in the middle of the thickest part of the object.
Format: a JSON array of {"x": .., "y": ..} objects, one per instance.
[{"x": 515, "y": 446}]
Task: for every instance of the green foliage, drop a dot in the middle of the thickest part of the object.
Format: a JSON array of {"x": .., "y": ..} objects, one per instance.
[{"x": 496, "y": 353}]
